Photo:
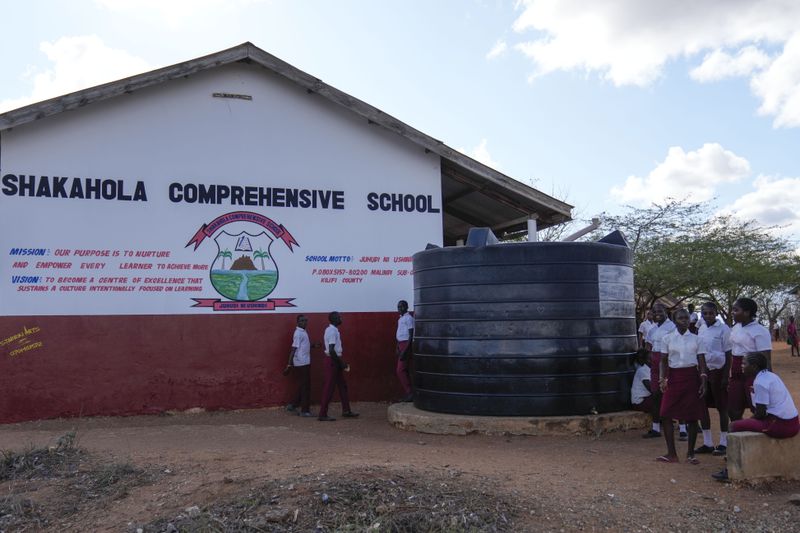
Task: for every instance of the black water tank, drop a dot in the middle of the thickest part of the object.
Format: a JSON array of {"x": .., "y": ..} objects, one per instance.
[{"x": 524, "y": 329}]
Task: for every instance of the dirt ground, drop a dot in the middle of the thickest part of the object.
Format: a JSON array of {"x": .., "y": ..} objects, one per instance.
[{"x": 287, "y": 465}]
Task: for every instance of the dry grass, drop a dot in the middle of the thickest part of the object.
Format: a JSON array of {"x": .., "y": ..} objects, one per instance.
[
  {"x": 344, "y": 501},
  {"x": 46, "y": 485}
]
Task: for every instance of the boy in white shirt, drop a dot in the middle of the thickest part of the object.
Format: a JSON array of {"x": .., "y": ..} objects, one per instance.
[
  {"x": 334, "y": 368},
  {"x": 300, "y": 361},
  {"x": 404, "y": 337}
]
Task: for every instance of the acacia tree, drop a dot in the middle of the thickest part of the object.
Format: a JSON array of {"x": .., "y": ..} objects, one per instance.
[
  {"x": 773, "y": 304},
  {"x": 662, "y": 239},
  {"x": 683, "y": 253},
  {"x": 741, "y": 259}
]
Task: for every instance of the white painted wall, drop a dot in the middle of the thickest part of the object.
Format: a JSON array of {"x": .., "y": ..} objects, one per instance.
[{"x": 178, "y": 132}]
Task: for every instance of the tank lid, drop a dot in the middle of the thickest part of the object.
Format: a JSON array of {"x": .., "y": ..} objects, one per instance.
[
  {"x": 481, "y": 237},
  {"x": 615, "y": 237}
]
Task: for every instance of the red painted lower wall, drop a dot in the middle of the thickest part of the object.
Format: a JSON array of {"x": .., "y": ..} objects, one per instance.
[{"x": 124, "y": 365}]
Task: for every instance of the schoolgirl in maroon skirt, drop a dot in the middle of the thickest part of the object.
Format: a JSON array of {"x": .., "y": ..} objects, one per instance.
[{"x": 683, "y": 383}]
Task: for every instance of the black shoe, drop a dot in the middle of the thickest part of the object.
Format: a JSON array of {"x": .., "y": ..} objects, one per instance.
[
  {"x": 305, "y": 414},
  {"x": 408, "y": 398},
  {"x": 683, "y": 436},
  {"x": 652, "y": 434},
  {"x": 704, "y": 449},
  {"x": 720, "y": 450},
  {"x": 326, "y": 419},
  {"x": 291, "y": 408},
  {"x": 722, "y": 475},
  {"x": 349, "y": 414}
]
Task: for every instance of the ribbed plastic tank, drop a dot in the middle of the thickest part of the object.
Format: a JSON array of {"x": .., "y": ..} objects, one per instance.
[{"x": 524, "y": 329}]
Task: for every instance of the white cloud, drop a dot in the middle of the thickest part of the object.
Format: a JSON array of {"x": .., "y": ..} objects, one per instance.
[
  {"x": 628, "y": 42},
  {"x": 76, "y": 63},
  {"x": 778, "y": 86},
  {"x": 719, "y": 64},
  {"x": 694, "y": 174},
  {"x": 772, "y": 203},
  {"x": 480, "y": 153},
  {"x": 497, "y": 50}
]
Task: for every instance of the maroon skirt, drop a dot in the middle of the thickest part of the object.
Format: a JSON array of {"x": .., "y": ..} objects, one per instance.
[
  {"x": 717, "y": 395},
  {"x": 655, "y": 361},
  {"x": 739, "y": 387},
  {"x": 681, "y": 400},
  {"x": 645, "y": 407}
]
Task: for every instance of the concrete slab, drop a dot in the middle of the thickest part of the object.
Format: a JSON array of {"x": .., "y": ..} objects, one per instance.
[
  {"x": 406, "y": 416},
  {"x": 754, "y": 456}
]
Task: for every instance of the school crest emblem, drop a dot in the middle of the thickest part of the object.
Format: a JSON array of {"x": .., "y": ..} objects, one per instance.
[{"x": 243, "y": 270}]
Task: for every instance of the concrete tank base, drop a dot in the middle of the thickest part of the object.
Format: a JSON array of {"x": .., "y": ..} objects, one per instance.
[{"x": 406, "y": 416}]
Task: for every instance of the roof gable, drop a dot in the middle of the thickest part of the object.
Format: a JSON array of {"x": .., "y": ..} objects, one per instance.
[{"x": 465, "y": 170}]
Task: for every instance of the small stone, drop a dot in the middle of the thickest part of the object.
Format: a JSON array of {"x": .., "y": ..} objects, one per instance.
[
  {"x": 737, "y": 509},
  {"x": 672, "y": 481},
  {"x": 610, "y": 495},
  {"x": 277, "y": 515},
  {"x": 167, "y": 471},
  {"x": 171, "y": 528},
  {"x": 139, "y": 530},
  {"x": 795, "y": 499},
  {"x": 193, "y": 511},
  {"x": 256, "y": 523},
  {"x": 325, "y": 498}
]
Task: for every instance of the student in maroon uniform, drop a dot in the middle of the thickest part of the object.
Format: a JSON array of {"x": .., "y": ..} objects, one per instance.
[
  {"x": 775, "y": 413},
  {"x": 747, "y": 336},
  {"x": 644, "y": 327},
  {"x": 683, "y": 383},
  {"x": 791, "y": 336},
  {"x": 641, "y": 397},
  {"x": 334, "y": 367},
  {"x": 715, "y": 342},
  {"x": 662, "y": 326},
  {"x": 300, "y": 361},
  {"x": 404, "y": 337}
]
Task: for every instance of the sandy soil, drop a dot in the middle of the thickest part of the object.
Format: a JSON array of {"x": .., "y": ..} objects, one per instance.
[{"x": 610, "y": 482}]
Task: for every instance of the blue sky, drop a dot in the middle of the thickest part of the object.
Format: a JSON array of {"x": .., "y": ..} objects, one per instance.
[{"x": 601, "y": 103}]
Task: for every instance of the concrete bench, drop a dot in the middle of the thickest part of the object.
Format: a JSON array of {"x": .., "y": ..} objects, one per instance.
[{"x": 754, "y": 456}]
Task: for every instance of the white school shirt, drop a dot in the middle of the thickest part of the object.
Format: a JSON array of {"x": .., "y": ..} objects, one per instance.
[
  {"x": 404, "y": 323},
  {"x": 644, "y": 327},
  {"x": 750, "y": 338},
  {"x": 681, "y": 350},
  {"x": 638, "y": 391},
  {"x": 657, "y": 333},
  {"x": 332, "y": 337},
  {"x": 302, "y": 354},
  {"x": 769, "y": 390},
  {"x": 715, "y": 340}
]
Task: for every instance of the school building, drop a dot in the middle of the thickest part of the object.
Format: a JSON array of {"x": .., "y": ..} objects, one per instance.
[{"x": 162, "y": 232}]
